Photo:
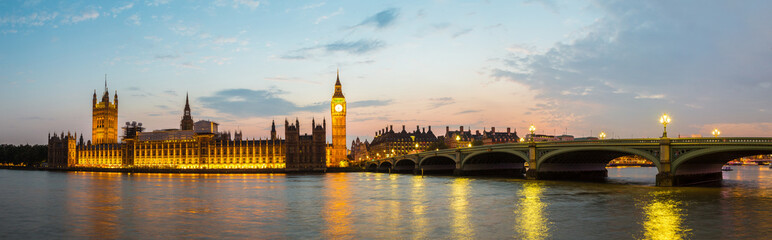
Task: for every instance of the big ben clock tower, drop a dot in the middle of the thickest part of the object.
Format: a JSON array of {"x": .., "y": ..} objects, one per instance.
[{"x": 338, "y": 110}]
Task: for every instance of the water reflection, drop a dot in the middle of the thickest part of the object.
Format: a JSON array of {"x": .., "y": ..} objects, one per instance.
[
  {"x": 460, "y": 209},
  {"x": 419, "y": 208},
  {"x": 664, "y": 216},
  {"x": 529, "y": 211},
  {"x": 337, "y": 212},
  {"x": 96, "y": 206}
]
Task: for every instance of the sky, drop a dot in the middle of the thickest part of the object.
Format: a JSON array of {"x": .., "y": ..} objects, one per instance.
[{"x": 575, "y": 67}]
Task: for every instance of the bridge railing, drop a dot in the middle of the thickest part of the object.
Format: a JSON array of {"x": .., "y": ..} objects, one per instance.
[
  {"x": 723, "y": 140},
  {"x": 604, "y": 141}
]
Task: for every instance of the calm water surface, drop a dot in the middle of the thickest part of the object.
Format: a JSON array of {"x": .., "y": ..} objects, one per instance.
[{"x": 46, "y": 205}]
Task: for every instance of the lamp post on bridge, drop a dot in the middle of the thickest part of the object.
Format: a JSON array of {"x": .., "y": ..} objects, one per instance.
[
  {"x": 716, "y": 132},
  {"x": 665, "y": 119},
  {"x": 602, "y": 135},
  {"x": 532, "y": 129},
  {"x": 458, "y": 141}
]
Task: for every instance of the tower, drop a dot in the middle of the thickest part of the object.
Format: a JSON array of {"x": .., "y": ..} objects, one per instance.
[
  {"x": 187, "y": 120},
  {"x": 104, "y": 118},
  {"x": 338, "y": 111},
  {"x": 273, "y": 130}
]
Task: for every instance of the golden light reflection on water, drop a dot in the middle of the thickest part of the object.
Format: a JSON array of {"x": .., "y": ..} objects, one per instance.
[
  {"x": 394, "y": 208},
  {"x": 460, "y": 209},
  {"x": 529, "y": 211},
  {"x": 664, "y": 217},
  {"x": 97, "y": 204},
  {"x": 419, "y": 223},
  {"x": 337, "y": 208}
]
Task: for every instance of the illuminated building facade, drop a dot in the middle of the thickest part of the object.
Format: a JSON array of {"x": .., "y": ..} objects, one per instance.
[
  {"x": 461, "y": 138},
  {"x": 359, "y": 150},
  {"x": 104, "y": 118},
  {"x": 306, "y": 152},
  {"x": 338, "y": 111},
  {"x": 387, "y": 142},
  {"x": 195, "y": 145}
]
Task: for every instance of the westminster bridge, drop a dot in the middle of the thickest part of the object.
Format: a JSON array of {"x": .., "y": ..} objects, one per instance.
[{"x": 680, "y": 161}]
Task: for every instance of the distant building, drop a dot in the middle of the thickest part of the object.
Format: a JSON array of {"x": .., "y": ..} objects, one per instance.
[
  {"x": 461, "y": 138},
  {"x": 306, "y": 152},
  {"x": 195, "y": 145},
  {"x": 359, "y": 151},
  {"x": 388, "y": 142}
]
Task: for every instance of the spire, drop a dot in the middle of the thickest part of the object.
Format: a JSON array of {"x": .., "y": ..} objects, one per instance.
[
  {"x": 106, "y": 83},
  {"x": 337, "y": 76},
  {"x": 187, "y": 105},
  {"x": 187, "y": 120},
  {"x": 338, "y": 88}
]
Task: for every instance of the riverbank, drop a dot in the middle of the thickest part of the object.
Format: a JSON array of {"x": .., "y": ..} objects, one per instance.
[{"x": 179, "y": 170}]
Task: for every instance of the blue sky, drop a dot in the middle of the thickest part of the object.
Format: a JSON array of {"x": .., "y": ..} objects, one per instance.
[{"x": 576, "y": 66}]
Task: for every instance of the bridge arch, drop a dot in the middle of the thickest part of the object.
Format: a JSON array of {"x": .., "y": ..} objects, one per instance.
[
  {"x": 437, "y": 163},
  {"x": 710, "y": 160},
  {"x": 494, "y": 160},
  {"x": 384, "y": 166},
  {"x": 404, "y": 165},
  {"x": 606, "y": 154},
  {"x": 372, "y": 167},
  {"x": 583, "y": 162}
]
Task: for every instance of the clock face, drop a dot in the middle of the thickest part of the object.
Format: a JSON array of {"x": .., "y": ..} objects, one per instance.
[{"x": 338, "y": 108}]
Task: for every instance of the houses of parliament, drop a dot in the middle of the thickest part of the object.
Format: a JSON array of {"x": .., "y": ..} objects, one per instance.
[{"x": 199, "y": 145}]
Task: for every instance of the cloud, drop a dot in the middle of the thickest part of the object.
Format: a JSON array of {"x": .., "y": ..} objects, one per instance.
[
  {"x": 156, "y": 3},
  {"x": 222, "y": 40},
  {"x": 680, "y": 52},
  {"x": 325, "y": 17},
  {"x": 184, "y": 30},
  {"x": 87, "y": 15},
  {"x": 468, "y": 111},
  {"x": 439, "y": 102},
  {"x": 134, "y": 19},
  {"x": 369, "y": 103},
  {"x": 166, "y": 57},
  {"x": 215, "y": 60},
  {"x": 651, "y": 96},
  {"x": 33, "y": 19},
  {"x": 120, "y": 9},
  {"x": 187, "y": 65},
  {"x": 255, "y": 103},
  {"x": 170, "y": 92},
  {"x": 311, "y": 6},
  {"x": 462, "y": 32},
  {"x": 357, "y": 47},
  {"x": 248, "y": 3},
  {"x": 549, "y": 4},
  {"x": 381, "y": 19},
  {"x": 154, "y": 38}
]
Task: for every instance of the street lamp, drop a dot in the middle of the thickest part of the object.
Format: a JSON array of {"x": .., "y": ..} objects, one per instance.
[
  {"x": 602, "y": 135},
  {"x": 458, "y": 141},
  {"x": 532, "y": 129},
  {"x": 665, "y": 119},
  {"x": 716, "y": 132},
  {"x": 522, "y": 139}
]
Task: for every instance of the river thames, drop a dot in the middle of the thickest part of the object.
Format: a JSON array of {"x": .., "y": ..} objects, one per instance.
[{"x": 55, "y": 205}]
